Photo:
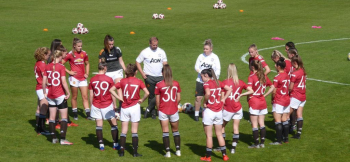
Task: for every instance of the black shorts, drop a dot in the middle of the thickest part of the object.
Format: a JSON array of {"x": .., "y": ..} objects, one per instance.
[
  {"x": 199, "y": 89},
  {"x": 63, "y": 105}
]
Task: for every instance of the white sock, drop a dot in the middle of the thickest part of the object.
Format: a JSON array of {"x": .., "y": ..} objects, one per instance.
[{"x": 196, "y": 113}]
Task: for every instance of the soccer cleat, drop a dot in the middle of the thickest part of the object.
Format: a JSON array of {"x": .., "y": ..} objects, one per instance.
[
  {"x": 254, "y": 146},
  {"x": 44, "y": 133},
  {"x": 145, "y": 114},
  {"x": 178, "y": 153},
  {"x": 116, "y": 147},
  {"x": 137, "y": 155},
  {"x": 75, "y": 116},
  {"x": 225, "y": 158},
  {"x": 296, "y": 136},
  {"x": 66, "y": 142},
  {"x": 196, "y": 118},
  {"x": 58, "y": 126},
  {"x": 72, "y": 124},
  {"x": 102, "y": 148},
  {"x": 90, "y": 118},
  {"x": 167, "y": 154},
  {"x": 262, "y": 145},
  {"x": 285, "y": 140},
  {"x": 275, "y": 143},
  {"x": 205, "y": 158},
  {"x": 55, "y": 140},
  {"x": 233, "y": 151}
]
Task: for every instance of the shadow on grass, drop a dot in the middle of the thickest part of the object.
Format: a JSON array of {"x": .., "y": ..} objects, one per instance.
[
  {"x": 199, "y": 150},
  {"x": 91, "y": 139},
  {"x": 154, "y": 145}
]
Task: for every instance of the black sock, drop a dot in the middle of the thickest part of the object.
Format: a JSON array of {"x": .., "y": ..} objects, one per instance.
[
  {"x": 166, "y": 141},
  {"x": 208, "y": 154},
  {"x": 37, "y": 125},
  {"x": 122, "y": 142},
  {"x": 262, "y": 135},
  {"x": 75, "y": 112},
  {"x": 57, "y": 116},
  {"x": 285, "y": 130},
  {"x": 292, "y": 119},
  {"x": 299, "y": 125},
  {"x": 42, "y": 122},
  {"x": 52, "y": 126},
  {"x": 235, "y": 141},
  {"x": 63, "y": 129},
  {"x": 87, "y": 111},
  {"x": 278, "y": 131},
  {"x": 99, "y": 134},
  {"x": 114, "y": 132},
  {"x": 135, "y": 142},
  {"x": 256, "y": 136},
  {"x": 177, "y": 140},
  {"x": 223, "y": 150}
]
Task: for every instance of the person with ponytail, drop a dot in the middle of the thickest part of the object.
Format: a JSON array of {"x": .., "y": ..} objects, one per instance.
[
  {"x": 168, "y": 97},
  {"x": 205, "y": 60},
  {"x": 276, "y": 55},
  {"x": 78, "y": 75},
  {"x": 297, "y": 90},
  {"x": 212, "y": 114},
  {"x": 115, "y": 64},
  {"x": 232, "y": 106},
  {"x": 129, "y": 88},
  {"x": 102, "y": 104},
  {"x": 54, "y": 44},
  {"x": 41, "y": 54},
  {"x": 280, "y": 102},
  {"x": 57, "y": 95},
  {"x": 258, "y": 81},
  {"x": 254, "y": 55}
]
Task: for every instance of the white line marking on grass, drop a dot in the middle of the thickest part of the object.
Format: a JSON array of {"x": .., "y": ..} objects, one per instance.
[{"x": 329, "y": 40}]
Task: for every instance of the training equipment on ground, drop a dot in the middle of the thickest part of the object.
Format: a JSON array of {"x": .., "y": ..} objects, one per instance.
[
  {"x": 155, "y": 16},
  {"x": 219, "y": 5},
  {"x": 75, "y": 30},
  {"x": 161, "y": 16},
  {"x": 179, "y": 107},
  {"x": 187, "y": 108},
  {"x": 80, "y": 29}
]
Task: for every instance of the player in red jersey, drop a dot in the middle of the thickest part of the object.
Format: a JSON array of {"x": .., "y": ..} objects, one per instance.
[
  {"x": 41, "y": 54},
  {"x": 254, "y": 55},
  {"x": 55, "y": 78},
  {"x": 276, "y": 55},
  {"x": 258, "y": 81},
  {"x": 280, "y": 102},
  {"x": 102, "y": 104},
  {"x": 297, "y": 89},
  {"x": 78, "y": 74},
  {"x": 168, "y": 97},
  {"x": 212, "y": 114},
  {"x": 129, "y": 88},
  {"x": 292, "y": 51},
  {"x": 232, "y": 107},
  {"x": 288, "y": 46}
]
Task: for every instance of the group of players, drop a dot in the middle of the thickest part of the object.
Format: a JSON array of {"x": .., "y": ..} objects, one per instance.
[{"x": 221, "y": 99}]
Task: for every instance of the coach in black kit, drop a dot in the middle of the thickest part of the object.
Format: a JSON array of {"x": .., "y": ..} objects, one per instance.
[{"x": 153, "y": 59}]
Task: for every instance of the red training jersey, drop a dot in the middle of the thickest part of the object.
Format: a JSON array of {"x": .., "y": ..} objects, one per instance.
[
  {"x": 260, "y": 58},
  {"x": 298, "y": 77},
  {"x": 214, "y": 102},
  {"x": 257, "y": 100},
  {"x": 39, "y": 69},
  {"x": 77, "y": 63},
  {"x": 230, "y": 104},
  {"x": 100, "y": 85},
  {"x": 288, "y": 68},
  {"x": 131, "y": 90},
  {"x": 54, "y": 79},
  {"x": 168, "y": 99},
  {"x": 281, "y": 83}
]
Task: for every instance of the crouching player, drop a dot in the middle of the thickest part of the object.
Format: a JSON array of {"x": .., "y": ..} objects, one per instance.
[
  {"x": 167, "y": 94},
  {"x": 130, "y": 87},
  {"x": 102, "y": 104},
  {"x": 55, "y": 78}
]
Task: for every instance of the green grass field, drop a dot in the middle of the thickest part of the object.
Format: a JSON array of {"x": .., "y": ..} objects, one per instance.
[{"x": 181, "y": 34}]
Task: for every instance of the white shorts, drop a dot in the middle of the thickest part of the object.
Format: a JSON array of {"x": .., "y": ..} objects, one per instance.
[
  {"x": 40, "y": 93},
  {"x": 210, "y": 117},
  {"x": 115, "y": 74},
  {"x": 295, "y": 103},
  {"x": 77, "y": 83},
  {"x": 56, "y": 101},
  {"x": 132, "y": 113},
  {"x": 258, "y": 112},
  {"x": 105, "y": 113},
  {"x": 279, "y": 109},
  {"x": 227, "y": 116},
  {"x": 173, "y": 118}
]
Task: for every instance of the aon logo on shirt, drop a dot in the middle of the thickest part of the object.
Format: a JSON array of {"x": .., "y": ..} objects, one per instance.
[
  {"x": 206, "y": 65},
  {"x": 154, "y": 60}
]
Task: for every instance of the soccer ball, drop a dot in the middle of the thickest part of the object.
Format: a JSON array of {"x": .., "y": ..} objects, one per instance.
[
  {"x": 161, "y": 16},
  {"x": 80, "y": 30},
  {"x": 80, "y": 25},
  {"x": 117, "y": 115},
  {"x": 223, "y": 5},
  {"x": 179, "y": 107},
  {"x": 155, "y": 16},
  {"x": 187, "y": 108},
  {"x": 85, "y": 31},
  {"x": 216, "y": 6},
  {"x": 75, "y": 31},
  {"x": 219, "y": 1}
]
